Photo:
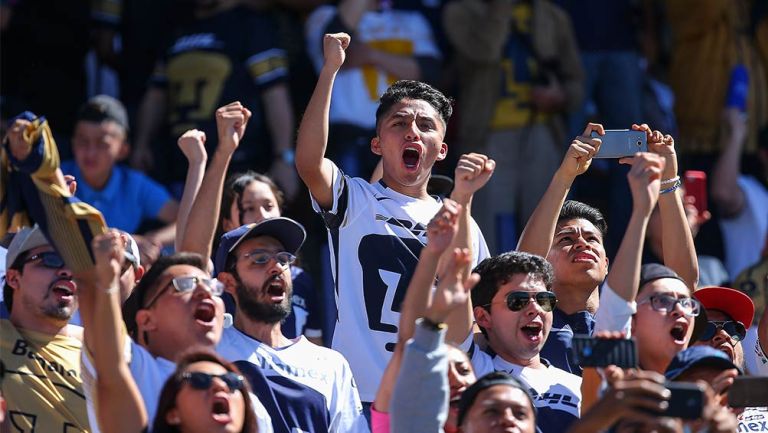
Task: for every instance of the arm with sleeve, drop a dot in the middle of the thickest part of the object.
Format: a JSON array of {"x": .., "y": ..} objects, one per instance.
[{"x": 615, "y": 313}]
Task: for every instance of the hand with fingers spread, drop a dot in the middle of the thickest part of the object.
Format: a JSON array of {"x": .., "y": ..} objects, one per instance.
[
  {"x": 334, "y": 47},
  {"x": 443, "y": 227},
  {"x": 581, "y": 151},
  {"x": 644, "y": 179},
  {"x": 231, "y": 121},
  {"x": 452, "y": 291},
  {"x": 18, "y": 146},
  {"x": 192, "y": 145},
  {"x": 663, "y": 145},
  {"x": 695, "y": 218},
  {"x": 472, "y": 172}
]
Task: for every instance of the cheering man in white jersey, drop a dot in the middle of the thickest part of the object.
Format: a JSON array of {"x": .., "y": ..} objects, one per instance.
[
  {"x": 254, "y": 262},
  {"x": 376, "y": 231}
]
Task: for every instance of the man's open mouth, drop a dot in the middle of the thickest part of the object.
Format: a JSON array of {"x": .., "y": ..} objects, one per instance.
[
  {"x": 205, "y": 312},
  {"x": 411, "y": 157}
]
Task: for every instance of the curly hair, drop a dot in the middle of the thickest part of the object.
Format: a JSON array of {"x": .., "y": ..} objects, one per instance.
[
  {"x": 499, "y": 270},
  {"x": 409, "y": 89}
]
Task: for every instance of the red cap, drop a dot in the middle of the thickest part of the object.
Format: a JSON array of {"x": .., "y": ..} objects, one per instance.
[{"x": 730, "y": 301}]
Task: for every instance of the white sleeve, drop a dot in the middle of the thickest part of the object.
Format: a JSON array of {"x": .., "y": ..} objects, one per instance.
[
  {"x": 263, "y": 420},
  {"x": 89, "y": 377},
  {"x": 755, "y": 358},
  {"x": 347, "y": 410},
  {"x": 424, "y": 39},
  {"x": 481, "y": 361},
  {"x": 350, "y": 197},
  {"x": 315, "y": 30},
  {"x": 615, "y": 313}
]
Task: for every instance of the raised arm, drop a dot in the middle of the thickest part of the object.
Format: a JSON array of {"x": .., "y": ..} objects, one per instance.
[
  {"x": 540, "y": 228},
  {"x": 313, "y": 168},
  {"x": 150, "y": 118},
  {"x": 192, "y": 144},
  {"x": 119, "y": 406},
  {"x": 281, "y": 122},
  {"x": 231, "y": 122},
  {"x": 677, "y": 245},
  {"x": 726, "y": 191}
]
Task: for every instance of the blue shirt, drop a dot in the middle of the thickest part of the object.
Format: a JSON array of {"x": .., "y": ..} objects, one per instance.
[
  {"x": 557, "y": 348},
  {"x": 128, "y": 198}
]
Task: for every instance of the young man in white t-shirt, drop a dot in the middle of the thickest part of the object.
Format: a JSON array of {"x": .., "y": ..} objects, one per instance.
[
  {"x": 376, "y": 231},
  {"x": 255, "y": 268},
  {"x": 513, "y": 304}
]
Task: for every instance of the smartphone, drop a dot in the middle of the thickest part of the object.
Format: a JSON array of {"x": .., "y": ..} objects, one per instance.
[
  {"x": 602, "y": 352},
  {"x": 748, "y": 391},
  {"x": 695, "y": 184},
  {"x": 618, "y": 143},
  {"x": 686, "y": 401}
]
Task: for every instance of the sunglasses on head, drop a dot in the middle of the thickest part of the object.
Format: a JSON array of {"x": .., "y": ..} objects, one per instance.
[
  {"x": 516, "y": 301},
  {"x": 202, "y": 381},
  {"x": 736, "y": 330},
  {"x": 49, "y": 259}
]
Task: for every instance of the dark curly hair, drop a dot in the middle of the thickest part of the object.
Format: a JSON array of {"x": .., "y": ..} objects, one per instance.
[
  {"x": 409, "y": 89},
  {"x": 499, "y": 270}
]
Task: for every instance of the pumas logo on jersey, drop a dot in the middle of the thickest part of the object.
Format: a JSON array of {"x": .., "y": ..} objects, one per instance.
[
  {"x": 199, "y": 40},
  {"x": 418, "y": 229}
]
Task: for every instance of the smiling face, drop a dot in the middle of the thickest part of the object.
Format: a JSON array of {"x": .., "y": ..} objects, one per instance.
[
  {"x": 410, "y": 141},
  {"x": 176, "y": 321},
  {"x": 262, "y": 291},
  {"x": 577, "y": 255},
  {"x": 502, "y": 409},
  {"x": 256, "y": 203},
  {"x": 41, "y": 293},
  {"x": 216, "y": 409},
  {"x": 97, "y": 146},
  {"x": 661, "y": 335},
  {"x": 516, "y": 336}
]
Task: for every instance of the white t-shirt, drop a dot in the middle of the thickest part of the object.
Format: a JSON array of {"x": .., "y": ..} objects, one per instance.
[
  {"x": 150, "y": 374},
  {"x": 753, "y": 419},
  {"x": 324, "y": 370},
  {"x": 755, "y": 360},
  {"x": 556, "y": 393},
  {"x": 745, "y": 234},
  {"x": 356, "y": 93},
  {"x": 375, "y": 235}
]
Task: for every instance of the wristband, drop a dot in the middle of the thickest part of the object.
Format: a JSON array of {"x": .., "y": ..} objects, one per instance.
[
  {"x": 672, "y": 188},
  {"x": 432, "y": 326},
  {"x": 670, "y": 181}
]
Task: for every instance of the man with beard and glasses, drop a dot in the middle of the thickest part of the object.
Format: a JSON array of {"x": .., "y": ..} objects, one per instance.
[
  {"x": 39, "y": 350},
  {"x": 254, "y": 262}
]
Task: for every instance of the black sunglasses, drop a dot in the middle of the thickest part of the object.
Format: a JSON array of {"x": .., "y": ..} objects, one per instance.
[
  {"x": 202, "y": 381},
  {"x": 49, "y": 259},
  {"x": 518, "y": 300},
  {"x": 736, "y": 330}
]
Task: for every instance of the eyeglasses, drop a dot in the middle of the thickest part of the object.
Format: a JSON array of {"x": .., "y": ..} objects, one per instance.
[
  {"x": 666, "y": 303},
  {"x": 516, "y": 301},
  {"x": 202, "y": 381},
  {"x": 736, "y": 330},
  {"x": 50, "y": 259},
  {"x": 259, "y": 257},
  {"x": 188, "y": 284}
]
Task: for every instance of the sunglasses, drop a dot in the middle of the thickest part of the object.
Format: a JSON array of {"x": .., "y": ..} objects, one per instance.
[
  {"x": 665, "y": 304},
  {"x": 516, "y": 301},
  {"x": 263, "y": 257},
  {"x": 736, "y": 330},
  {"x": 49, "y": 259},
  {"x": 188, "y": 284},
  {"x": 203, "y": 381}
]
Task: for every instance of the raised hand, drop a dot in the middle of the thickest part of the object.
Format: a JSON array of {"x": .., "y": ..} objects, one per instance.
[
  {"x": 644, "y": 179},
  {"x": 581, "y": 151},
  {"x": 443, "y": 227},
  {"x": 109, "y": 254},
  {"x": 661, "y": 144},
  {"x": 472, "y": 173},
  {"x": 452, "y": 291},
  {"x": 18, "y": 147},
  {"x": 192, "y": 145},
  {"x": 334, "y": 46},
  {"x": 231, "y": 121}
]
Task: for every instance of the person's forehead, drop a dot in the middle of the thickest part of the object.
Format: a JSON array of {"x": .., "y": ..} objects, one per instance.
[
  {"x": 257, "y": 190},
  {"x": 506, "y": 394},
  {"x": 411, "y": 108},
  {"x": 207, "y": 367},
  {"x": 104, "y": 127},
  {"x": 522, "y": 283},
  {"x": 182, "y": 271},
  {"x": 573, "y": 225},
  {"x": 666, "y": 286},
  {"x": 262, "y": 242}
]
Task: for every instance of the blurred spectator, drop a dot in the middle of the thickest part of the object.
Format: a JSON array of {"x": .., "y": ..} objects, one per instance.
[
  {"x": 520, "y": 72},
  {"x": 388, "y": 45},
  {"x": 222, "y": 53},
  {"x": 741, "y": 194}
]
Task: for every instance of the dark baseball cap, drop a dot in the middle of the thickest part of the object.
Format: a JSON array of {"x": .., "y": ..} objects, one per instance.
[
  {"x": 654, "y": 271},
  {"x": 102, "y": 108},
  {"x": 469, "y": 395},
  {"x": 287, "y": 231},
  {"x": 698, "y": 356}
]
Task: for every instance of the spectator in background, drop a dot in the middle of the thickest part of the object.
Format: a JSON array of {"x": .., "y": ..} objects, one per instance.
[
  {"x": 126, "y": 197},
  {"x": 520, "y": 73},
  {"x": 740, "y": 192},
  {"x": 753, "y": 281},
  {"x": 389, "y": 45},
  {"x": 223, "y": 52}
]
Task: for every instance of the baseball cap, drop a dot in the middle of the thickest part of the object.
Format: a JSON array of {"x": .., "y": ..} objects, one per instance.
[
  {"x": 287, "y": 231},
  {"x": 730, "y": 301},
  {"x": 491, "y": 379},
  {"x": 654, "y": 271},
  {"x": 24, "y": 240},
  {"x": 132, "y": 250},
  {"x": 104, "y": 107},
  {"x": 698, "y": 356}
]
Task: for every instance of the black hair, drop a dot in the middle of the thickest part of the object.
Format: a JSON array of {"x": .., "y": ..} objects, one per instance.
[
  {"x": 573, "y": 209},
  {"x": 499, "y": 270},
  {"x": 409, "y": 89},
  {"x": 17, "y": 265}
]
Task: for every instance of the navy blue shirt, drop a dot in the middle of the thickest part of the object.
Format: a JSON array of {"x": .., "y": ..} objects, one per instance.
[{"x": 557, "y": 348}]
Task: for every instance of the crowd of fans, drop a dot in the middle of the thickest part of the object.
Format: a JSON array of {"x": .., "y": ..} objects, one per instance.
[{"x": 250, "y": 215}]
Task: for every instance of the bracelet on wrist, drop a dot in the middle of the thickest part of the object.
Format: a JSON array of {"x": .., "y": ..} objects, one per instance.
[
  {"x": 671, "y": 180},
  {"x": 672, "y": 188}
]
